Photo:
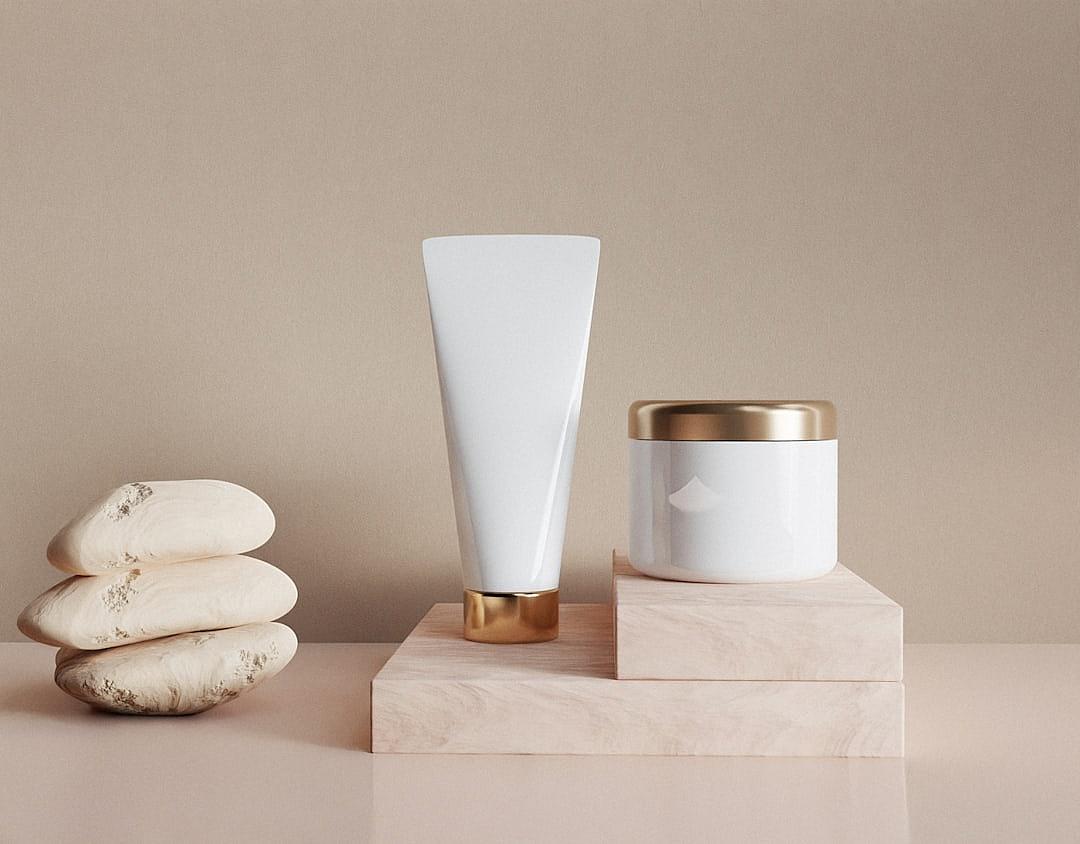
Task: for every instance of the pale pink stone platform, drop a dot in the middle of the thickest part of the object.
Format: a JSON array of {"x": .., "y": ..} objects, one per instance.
[
  {"x": 441, "y": 694},
  {"x": 836, "y": 627}
]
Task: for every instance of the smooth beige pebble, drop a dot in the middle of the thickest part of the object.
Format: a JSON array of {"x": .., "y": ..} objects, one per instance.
[
  {"x": 131, "y": 606},
  {"x": 178, "y": 675},
  {"x": 151, "y": 523}
]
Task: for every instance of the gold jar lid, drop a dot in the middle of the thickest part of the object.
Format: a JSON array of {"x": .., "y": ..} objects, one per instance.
[{"x": 763, "y": 421}]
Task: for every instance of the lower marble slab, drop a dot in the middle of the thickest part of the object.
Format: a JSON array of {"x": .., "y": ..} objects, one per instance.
[{"x": 441, "y": 694}]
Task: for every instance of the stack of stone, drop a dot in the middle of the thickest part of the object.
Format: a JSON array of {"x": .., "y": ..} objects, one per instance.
[{"x": 163, "y": 615}]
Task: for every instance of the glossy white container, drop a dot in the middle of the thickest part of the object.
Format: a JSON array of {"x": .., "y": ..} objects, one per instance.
[
  {"x": 733, "y": 492},
  {"x": 510, "y": 316}
]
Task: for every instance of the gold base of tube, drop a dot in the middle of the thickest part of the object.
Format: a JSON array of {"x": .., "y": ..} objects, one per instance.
[{"x": 511, "y": 618}]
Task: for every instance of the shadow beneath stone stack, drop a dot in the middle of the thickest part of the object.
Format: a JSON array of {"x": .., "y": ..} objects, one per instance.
[
  {"x": 323, "y": 698},
  {"x": 40, "y": 698}
]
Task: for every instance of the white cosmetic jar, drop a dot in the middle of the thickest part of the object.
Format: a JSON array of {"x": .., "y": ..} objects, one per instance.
[{"x": 733, "y": 491}]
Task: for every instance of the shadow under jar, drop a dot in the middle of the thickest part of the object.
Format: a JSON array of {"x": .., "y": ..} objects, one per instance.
[{"x": 733, "y": 491}]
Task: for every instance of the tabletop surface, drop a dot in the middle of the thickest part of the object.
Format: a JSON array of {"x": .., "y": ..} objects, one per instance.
[{"x": 993, "y": 754}]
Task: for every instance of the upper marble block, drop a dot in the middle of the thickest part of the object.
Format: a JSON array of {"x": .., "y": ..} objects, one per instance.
[{"x": 837, "y": 627}]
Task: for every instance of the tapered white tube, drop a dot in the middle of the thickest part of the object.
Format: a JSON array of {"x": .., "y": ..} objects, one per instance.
[{"x": 511, "y": 316}]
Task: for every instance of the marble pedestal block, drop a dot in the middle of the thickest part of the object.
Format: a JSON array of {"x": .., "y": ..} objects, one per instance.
[
  {"x": 837, "y": 627},
  {"x": 441, "y": 694}
]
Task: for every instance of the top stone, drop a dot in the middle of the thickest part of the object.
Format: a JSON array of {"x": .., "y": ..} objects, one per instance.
[{"x": 152, "y": 523}]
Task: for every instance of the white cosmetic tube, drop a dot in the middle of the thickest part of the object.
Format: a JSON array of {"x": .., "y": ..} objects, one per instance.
[{"x": 511, "y": 315}]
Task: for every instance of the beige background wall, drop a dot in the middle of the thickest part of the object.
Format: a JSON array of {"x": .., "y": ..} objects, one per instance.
[{"x": 211, "y": 221}]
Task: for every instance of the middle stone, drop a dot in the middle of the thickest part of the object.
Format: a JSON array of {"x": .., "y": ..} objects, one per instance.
[{"x": 91, "y": 613}]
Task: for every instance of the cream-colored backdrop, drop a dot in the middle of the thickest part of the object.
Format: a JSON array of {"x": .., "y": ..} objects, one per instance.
[{"x": 211, "y": 221}]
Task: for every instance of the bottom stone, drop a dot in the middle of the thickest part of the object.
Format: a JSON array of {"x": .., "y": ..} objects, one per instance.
[
  {"x": 176, "y": 675},
  {"x": 441, "y": 694}
]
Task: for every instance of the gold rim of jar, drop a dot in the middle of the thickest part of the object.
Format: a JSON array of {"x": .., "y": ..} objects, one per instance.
[{"x": 748, "y": 421}]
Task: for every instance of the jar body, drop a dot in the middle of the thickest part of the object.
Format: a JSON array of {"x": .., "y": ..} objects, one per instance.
[{"x": 733, "y": 511}]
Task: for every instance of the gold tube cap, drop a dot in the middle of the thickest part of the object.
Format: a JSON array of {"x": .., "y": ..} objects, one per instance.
[
  {"x": 754, "y": 421},
  {"x": 510, "y": 618}
]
